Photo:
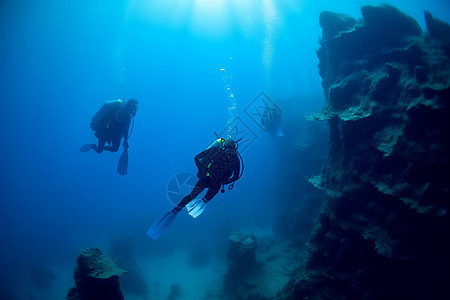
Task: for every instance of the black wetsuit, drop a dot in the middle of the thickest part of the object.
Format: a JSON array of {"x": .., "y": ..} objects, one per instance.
[
  {"x": 213, "y": 184},
  {"x": 110, "y": 124}
]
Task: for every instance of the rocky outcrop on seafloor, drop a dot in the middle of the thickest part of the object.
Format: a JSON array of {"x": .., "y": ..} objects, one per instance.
[
  {"x": 241, "y": 261},
  {"x": 96, "y": 277},
  {"x": 259, "y": 266},
  {"x": 384, "y": 226}
]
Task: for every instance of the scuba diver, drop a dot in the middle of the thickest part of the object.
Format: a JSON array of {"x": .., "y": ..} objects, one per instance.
[
  {"x": 111, "y": 123},
  {"x": 271, "y": 122},
  {"x": 219, "y": 165}
]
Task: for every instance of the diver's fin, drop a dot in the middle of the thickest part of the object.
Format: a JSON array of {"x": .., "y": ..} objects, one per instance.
[
  {"x": 196, "y": 207},
  {"x": 161, "y": 225},
  {"x": 280, "y": 131},
  {"x": 85, "y": 148},
  {"x": 122, "y": 166}
]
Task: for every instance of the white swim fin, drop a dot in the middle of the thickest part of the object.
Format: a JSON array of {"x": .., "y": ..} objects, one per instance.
[{"x": 196, "y": 207}]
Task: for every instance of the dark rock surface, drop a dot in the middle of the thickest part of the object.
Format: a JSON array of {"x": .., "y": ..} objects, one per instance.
[
  {"x": 241, "y": 261},
  {"x": 96, "y": 277},
  {"x": 440, "y": 31},
  {"x": 383, "y": 230},
  {"x": 258, "y": 271}
]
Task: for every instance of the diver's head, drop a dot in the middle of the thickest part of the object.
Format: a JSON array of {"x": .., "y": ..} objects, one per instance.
[
  {"x": 230, "y": 144},
  {"x": 132, "y": 106}
]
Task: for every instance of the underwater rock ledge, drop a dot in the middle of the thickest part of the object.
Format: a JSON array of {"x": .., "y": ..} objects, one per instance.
[
  {"x": 96, "y": 277},
  {"x": 383, "y": 231}
]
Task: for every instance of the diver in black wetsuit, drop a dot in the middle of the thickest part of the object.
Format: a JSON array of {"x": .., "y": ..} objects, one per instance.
[
  {"x": 111, "y": 123},
  {"x": 217, "y": 166}
]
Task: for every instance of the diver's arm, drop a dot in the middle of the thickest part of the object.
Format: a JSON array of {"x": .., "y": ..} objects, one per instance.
[
  {"x": 206, "y": 153},
  {"x": 236, "y": 170},
  {"x": 126, "y": 128}
]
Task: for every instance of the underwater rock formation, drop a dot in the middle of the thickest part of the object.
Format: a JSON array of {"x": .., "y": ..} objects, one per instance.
[
  {"x": 258, "y": 271},
  {"x": 383, "y": 230},
  {"x": 241, "y": 258},
  {"x": 96, "y": 277}
]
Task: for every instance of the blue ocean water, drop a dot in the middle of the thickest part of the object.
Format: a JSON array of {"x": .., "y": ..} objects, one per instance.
[{"x": 194, "y": 66}]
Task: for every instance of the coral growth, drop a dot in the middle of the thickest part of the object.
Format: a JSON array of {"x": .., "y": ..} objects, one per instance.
[
  {"x": 96, "y": 277},
  {"x": 383, "y": 231},
  {"x": 242, "y": 263}
]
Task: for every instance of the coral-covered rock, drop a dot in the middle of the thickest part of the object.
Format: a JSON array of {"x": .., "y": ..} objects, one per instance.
[
  {"x": 242, "y": 247},
  {"x": 258, "y": 271},
  {"x": 96, "y": 277},
  {"x": 333, "y": 24},
  {"x": 383, "y": 231},
  {"x": 439, "y": 31},
  {"x": 241, "y": 258},
  {"x": 382, "y": 28}
]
